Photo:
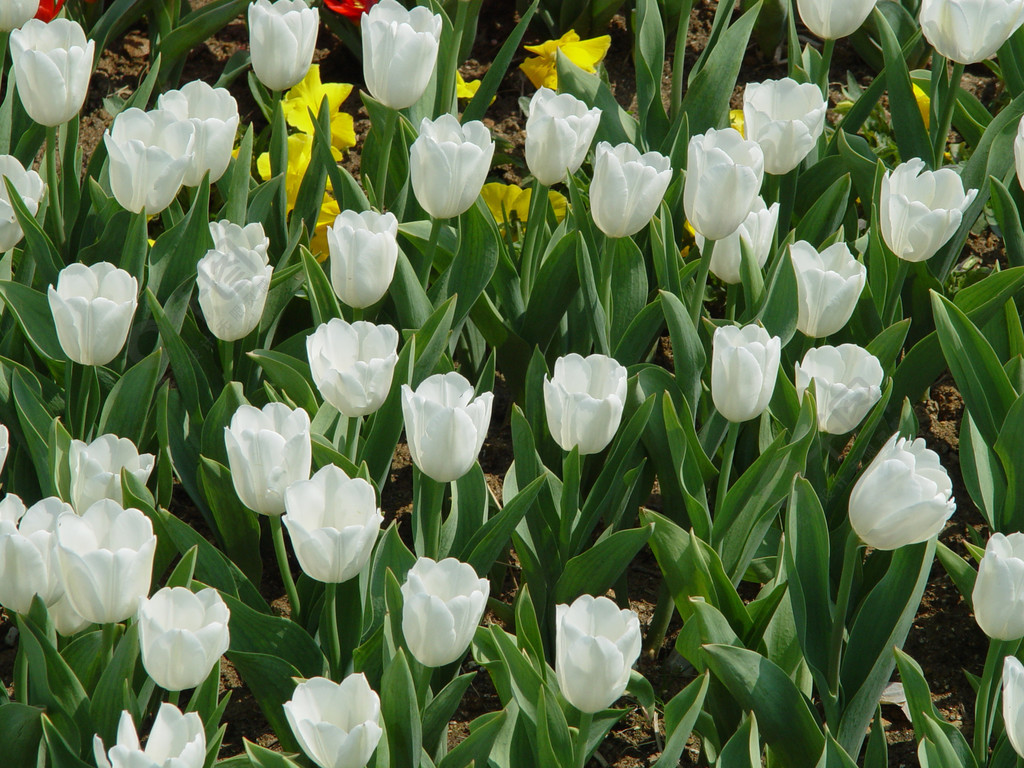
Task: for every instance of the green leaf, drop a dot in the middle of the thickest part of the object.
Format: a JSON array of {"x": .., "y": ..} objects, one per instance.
[
  {"x": 271, "y": 680},
  {"x": 255, "y": 632},
  {"x": 911, "y": 135},
  {"x": 125, "y": 410},
  {"x": 265, "y": 758},
  {"x": 322, "y": 299},
  {"x": 112, "y": 695},
  {"x": 476, "y": 748},
  {"x": 289, "y": 374},
  {"x": 37, "y": 244},
  {"x": 681, "y": 714},
  {"x": 825, "y": 215},
  {"x": 177, "y": 251},
  {"x": 686, "y": 345},
  {"x": 21, "y": 729},
  {"x": 595, "y": 570},
  {"x": 960, "y": 572},
  {"x": 188, "y": 374},
  {"x": 554, "y": 744},
  {"x": 487, "y": 544},
  {"x": 787, "y": 722},
  {"x": 398, "y": 710},
  {"x": 440, "y": 710},
  {"x": 31, "y": 310},
  {"x": 239, "y": 526}
]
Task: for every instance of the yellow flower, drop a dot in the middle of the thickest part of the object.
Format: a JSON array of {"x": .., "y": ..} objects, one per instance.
[
  {"x": 585, "y": 54},
  {"x": 736, "y": 121},
  {"x": 300, "y": 152},
  {"x": 464, "y": 89},
  {"x": 308, "y": 95},
  {"x": 328, "y": 213},
  {"x": 508, "y": 203},
  {"x": 923, "y": 103}
]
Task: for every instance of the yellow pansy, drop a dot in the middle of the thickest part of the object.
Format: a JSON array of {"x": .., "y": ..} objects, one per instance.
[
  {"x": 923, "y": 103},
  {"x": 585, "y": 54},
  {"x": 466, "y": 89},
  {"x": 309, "y": 95},
  {"x": 300, "y": 152},
  {"x": 509, "y": 203},
  {"x": 736, "y": 121}
]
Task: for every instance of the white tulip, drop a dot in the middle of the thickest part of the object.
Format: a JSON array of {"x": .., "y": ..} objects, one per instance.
[
  {"x": 847, "y": 384},
  {"x": 30, "y": 188},
  {"x": 175, "y": 741},
  {"x": 282, "y": 39},
  {"x": 96, "y": 469},
  {"x": 14, "y": 13},
  {"x": 364, "y": 252},
  {"x": 28, "y": 565},
  {"x": 399, "y": 52},
  {"x": 559, "y": 131},
  {"x": 584, "y": 401},
  {"x": 1013, "y": 702},
  {"x": 723, "y": 178},
  {"x": 336, "y": 724},
  {"x": 52, "y": 64},
  {"x": 234, "y": 279},
  {"x": 213, "y": 113},
  {"x": 92, "y": 309},
  {"x": 832, "y": 19},
  {"x": 828, "y": 286},
  {"x": 353, "y": 365},
  {"x": 784, "y": 117},
  {"x": 756, "y": 233},
  {"x": 998, "y": 596},
  {"x": 627, "y": 188},
  {"x": 969, "y": 31},
  {"x": 448, "y": 164},
  {"x": 744, "y": 367}
]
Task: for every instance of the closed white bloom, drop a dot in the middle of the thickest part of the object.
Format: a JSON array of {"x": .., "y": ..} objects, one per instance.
[
  {"x": 755, "y": 233},
  {"x": 627, "y": 188},
  {"x": 919, "y": 210},
  {"x": 28, "y": 565},
  {"x": 443, "y": 603},
  {"x": 333, "y": 521},
  {"x": 282, "y": 38},
  {"x": 336, "y": 724},
  {"x": 903, "y": 497},
  {"x": 445, "y": 425},
  {"x": 96, "y": 469},
  {"x": 448, "y": 164},
  {"x": 213, "y": 113},
  {"x": 66, "y": 620},
  {"x": 364, "y": 252},
  {"x": 723, "y": 178},
  {"x": 998, "y": 596},
  {"x": 584, "y": 401},
  {"x": 105, "y": 557},
  {"x": 175, "y": 741},
  {"x": 5, "y": 444},
  {"x": 353, "y": 365},
  {"x": 399, "y": 52},
  {"x": 596, "y": 646},
  {"x": 233, "y": 280},
  {"x": 30, "y": 188},
  {"x": 149, "y": 155},
  {"x": 92, "y": 309},
  {"x": 1018, "y": 152},
  {"x": 181, "y": 635},
  {"x": 828, "y": 286},
  {"x": 52, "y": 64},
  {"x": 786, "y": 118},
  {"x": 559, "y": 131},
  {"x": 969, "y": 31},
  {"x": 268, "y": 450},
  {"x": 14, "y": 13},
  {"x": 1013, "y": 702},
  {"x": 744, "y": 367},
  {"x": 847, "y": 384},
  {"x": 832, "y": 19}
]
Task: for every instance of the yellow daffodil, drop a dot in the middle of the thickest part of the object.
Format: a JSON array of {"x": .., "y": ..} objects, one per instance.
[
  {"x": 736, "y": 121},
  {"x": 923, "y": 103},
  {"x": 508, "y": 203},
  {"x": 585, "y": 54},
  {"x": 300, "y": 152},
  {"x": 308, "y": 95},
  {"x": 329, "y": 211},
  {"x": 466, "y": 89}
]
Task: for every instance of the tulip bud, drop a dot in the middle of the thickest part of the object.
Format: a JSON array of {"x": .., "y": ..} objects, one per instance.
[
  {"x": 920, "y": 210},
  {"x": 998, "y": 595},
  {"x": 627, "y": 188},
  {"x": 336, "y": 724},
  {"x": 744, "y": 366},
  {"x": 213, "y": 113},
  {"x": 969, "y": 32},
  {"x": 723, "y": 177},
  {"x": 443, "y": 603},
  {"x": 96, "y": 469},
  {"x": 584, "y": 401},
  {"x": 847, "y": 384},
  {"x": 333, "y": 521},
  {"x": 832, "y": 19},
  {"x": 92, "y": 309},
  {"x": 282, "y": 39},
  {"x": 559, "y": 130},
  {"x": 828, "y": 285},
  {"x": 150, "y": 153},
  {"x": 105, "y": 556},
  {"x": 174, "y": 740},
  {"x": 756, "y": 232},
  {"x": 903, "y": 497},
  {"x": 785, "y": 118},
  {"x": 448, "y": 165},
  {"x": 364, "y": 252},
  {"x": 234, "y": 279},
  {"x": 1018, "y": 152},
  {"x": 268, "y": 450},
  {"x": 30, "y": 188},
  {"x": 28, "y": 565},
  {"x": 52, "y": 64},
  {"x": 445, "y": 425},
  {"x": 1013, "y": 702},
  {"x": 352, "y": 365},
  {"x": 596, "y": 646},
  {"x": 399, "y": 52},
  {"x": 5, "y": 444},
  {"x": 181, "y": 635},
  {"x": 14, "y": 13}
]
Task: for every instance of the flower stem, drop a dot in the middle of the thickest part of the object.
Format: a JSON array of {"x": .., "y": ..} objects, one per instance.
[
  {"x": 174, "y": 697},
  {"x": 586, "y": 720},
  {"x": 988, "y": 694},
  {"x": 107, "y": 642},
  {"x": 352, "y": 438},
  {"x": 227, "y": 358},
  {"x": 384, "y": 147},
  {"x": 535, "y": 218},
  {"x": 21, "y": 673},
  {"x": 697, "y": 299},
  {"x": 663, "y": 612},
  {"x": 850, "y": 560},
  {"x": 826, "y": 65},
  {"x": 333, "y": 641},
  {"x": 277, "y": 531},
  {"x": 53, "y": 188},
  {"x": 428, "y": 256},
  {"x": 678, "y": 67},
  {"x": 723, "y": 474},
  {"x": 427, "y": 505},
  {"x": 947, "y": 102},
  {"x": 896, "y": 290}
]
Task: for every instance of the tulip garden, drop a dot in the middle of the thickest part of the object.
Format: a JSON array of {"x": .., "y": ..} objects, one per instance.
[{"x": 561, "y": 383}]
